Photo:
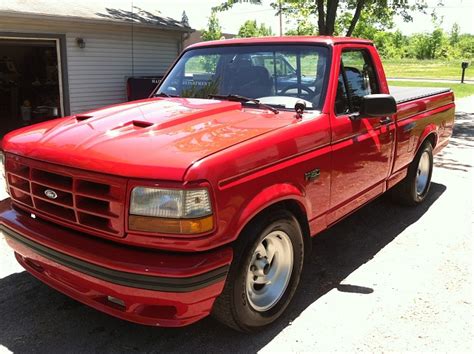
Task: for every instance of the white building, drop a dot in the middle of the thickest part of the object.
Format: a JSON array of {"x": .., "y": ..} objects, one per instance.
[{"x": 65, "y": 57}]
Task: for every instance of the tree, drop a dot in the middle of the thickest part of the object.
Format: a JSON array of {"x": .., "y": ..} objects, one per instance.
[
  {"x": 370, "y": 21},
  {"x": 327, "y": 11},
  {"x": 379, "y": 12},
  {"x": 250, "y": 29},
  {"x": 466, "y": 46},
  {"x": 185, "y": 19},
  {"x": 454, "y": 36},
  {"x": 214, "y": 29},
  {"x": 436, "y": 41},
  {"x": 265, "y": 31}
]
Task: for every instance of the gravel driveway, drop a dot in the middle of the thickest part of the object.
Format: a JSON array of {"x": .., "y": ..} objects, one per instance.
[{"x": 387, "y": 278}]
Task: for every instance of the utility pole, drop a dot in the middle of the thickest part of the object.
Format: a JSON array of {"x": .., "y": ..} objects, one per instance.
[{"x": 281, "y": 17}]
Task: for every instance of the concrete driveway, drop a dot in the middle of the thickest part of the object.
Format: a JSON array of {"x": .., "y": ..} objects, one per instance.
[{"x": 387, "y": 278}]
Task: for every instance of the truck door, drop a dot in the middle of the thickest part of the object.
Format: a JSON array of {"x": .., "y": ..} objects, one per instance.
[{"x": 362, "y": 146}]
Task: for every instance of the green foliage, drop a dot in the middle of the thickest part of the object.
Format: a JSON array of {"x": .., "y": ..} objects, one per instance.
[
  {"x": 454, "y": 36},
  {"x": 403, "y": 8},
  {"x": 435, "y": 45},
  {"x": 265, "y": 31},
  {"x": 350, "y": 15},
  {"x": 466, "y": 46},
  {"x": 251, "y": 29},
  {"x": 370, "y": 21},
  {"x": 303, "y": 15},
  {"x": 391, "y": 44},
  {"x": 372, "y": 18},
  {"x": 299, "y": 16},
  {"x": 227, "y": 5},
  {"x": 213, "y": 30},
  {"x": 420, "y": 46},
  {"x": 375, "y": 21},
  {"x": 394, "y": 45}
]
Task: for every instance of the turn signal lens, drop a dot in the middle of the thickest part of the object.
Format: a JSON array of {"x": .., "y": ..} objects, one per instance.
[{"x": 170, "y": 226}]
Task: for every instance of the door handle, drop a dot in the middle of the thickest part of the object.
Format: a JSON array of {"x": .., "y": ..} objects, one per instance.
[{"x": 385, "y": 120}]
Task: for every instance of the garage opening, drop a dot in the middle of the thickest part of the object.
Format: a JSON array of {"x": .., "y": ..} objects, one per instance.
[{"x": 30, "y": 82}]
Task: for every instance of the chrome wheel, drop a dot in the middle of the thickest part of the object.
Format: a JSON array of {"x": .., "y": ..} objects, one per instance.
[
  {"x": 422, "y": 173},
  {"x": 269, "y": 271}
]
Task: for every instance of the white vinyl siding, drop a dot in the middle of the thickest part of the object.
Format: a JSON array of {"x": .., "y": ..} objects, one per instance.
[{"x": 97, "y": 73}]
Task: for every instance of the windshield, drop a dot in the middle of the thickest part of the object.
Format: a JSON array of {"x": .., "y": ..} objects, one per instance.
[{"x": 278, "y": 75}]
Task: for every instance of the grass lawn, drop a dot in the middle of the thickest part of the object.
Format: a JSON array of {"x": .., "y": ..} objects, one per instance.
[
  {"x": 430, "y": 69},
  {"x": 460, "y": 90}
]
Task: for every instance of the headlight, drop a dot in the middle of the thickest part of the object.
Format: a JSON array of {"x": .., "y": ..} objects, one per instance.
[{"x": 170, "y": 210}]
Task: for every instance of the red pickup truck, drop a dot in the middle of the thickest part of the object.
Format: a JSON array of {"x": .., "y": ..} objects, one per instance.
[{"x": 203, "y": 198}]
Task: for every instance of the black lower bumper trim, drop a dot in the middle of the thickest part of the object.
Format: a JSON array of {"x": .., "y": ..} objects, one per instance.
[{"x": 133, "y": 280}]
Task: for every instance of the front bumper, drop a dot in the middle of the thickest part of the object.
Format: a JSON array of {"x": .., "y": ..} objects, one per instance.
[{"x": 139, "y": 285}]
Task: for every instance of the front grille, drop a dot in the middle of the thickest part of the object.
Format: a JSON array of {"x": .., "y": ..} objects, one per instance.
[{"x": 83, "y": 200}]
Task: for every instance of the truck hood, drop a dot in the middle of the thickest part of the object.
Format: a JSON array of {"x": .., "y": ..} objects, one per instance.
[{"x": 155, "y": 138}]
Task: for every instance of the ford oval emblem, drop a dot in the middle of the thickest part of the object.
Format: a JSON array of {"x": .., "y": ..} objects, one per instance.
[{"x": 50, "y": 194}]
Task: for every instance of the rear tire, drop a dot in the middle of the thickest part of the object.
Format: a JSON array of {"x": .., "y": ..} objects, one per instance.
[
  {"x": 415, "y": 187},
  {"x": 265, "y": 272}
]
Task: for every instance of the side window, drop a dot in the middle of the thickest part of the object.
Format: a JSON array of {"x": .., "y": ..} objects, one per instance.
[
  {"x": 271, "y": 65},
  {"x": 342, "y": 99},
  {"x": 279, "y": 66},
  {"x": 356, "y": 79}
]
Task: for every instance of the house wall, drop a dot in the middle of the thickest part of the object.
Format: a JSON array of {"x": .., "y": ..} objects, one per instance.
[{"x": 97, "y": 73}]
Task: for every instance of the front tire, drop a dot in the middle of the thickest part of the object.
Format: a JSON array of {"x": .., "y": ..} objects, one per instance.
[
  {"x": 416, "y": 185},
  {"x": 268, "y": 260}
]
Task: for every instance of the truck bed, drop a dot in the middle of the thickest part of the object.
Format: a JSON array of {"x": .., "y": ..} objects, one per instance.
[{"x": 406, "y": 94}]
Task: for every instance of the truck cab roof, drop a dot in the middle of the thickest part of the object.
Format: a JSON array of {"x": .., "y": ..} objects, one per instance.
[{"x": 285, "y": 39}]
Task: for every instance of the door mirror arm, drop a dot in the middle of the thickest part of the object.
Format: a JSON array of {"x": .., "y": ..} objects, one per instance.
[{"x": 354, "y": 116}]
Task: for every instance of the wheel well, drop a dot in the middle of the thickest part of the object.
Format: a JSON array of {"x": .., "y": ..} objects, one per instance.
[
  {"x": 300, "y": 214},
  {"x": 431, "y": 138},
  {"x": 296, "y": 209}
]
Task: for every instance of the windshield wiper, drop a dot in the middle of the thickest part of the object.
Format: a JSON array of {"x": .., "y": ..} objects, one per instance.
[
  {"x": 238, "y": 98},
  {"x": 164, "y": 94}
]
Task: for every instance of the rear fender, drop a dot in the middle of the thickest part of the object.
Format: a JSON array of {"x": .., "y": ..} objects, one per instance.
[{"x": 430, "y": 129}]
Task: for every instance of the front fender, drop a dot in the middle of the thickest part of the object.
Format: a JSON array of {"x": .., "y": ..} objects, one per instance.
[{"x": 269, "y": 196}]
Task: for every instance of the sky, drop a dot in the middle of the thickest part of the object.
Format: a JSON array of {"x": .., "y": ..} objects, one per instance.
[{"x": 198, "y": 11}]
